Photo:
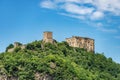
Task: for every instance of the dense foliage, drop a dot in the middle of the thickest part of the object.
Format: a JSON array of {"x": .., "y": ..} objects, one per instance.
[
  {"x": 59, "y": 61},
  {"x": 9, "y": 47}
]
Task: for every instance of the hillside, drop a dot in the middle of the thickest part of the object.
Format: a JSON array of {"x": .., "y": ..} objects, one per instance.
[{"x": 59, "y": 61}]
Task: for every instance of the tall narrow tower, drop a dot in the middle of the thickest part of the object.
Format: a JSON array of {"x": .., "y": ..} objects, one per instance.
[{"x": 47, "y": 37}]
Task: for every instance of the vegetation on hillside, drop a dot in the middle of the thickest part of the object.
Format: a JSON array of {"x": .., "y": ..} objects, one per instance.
[{"x": 57, "y": 61}]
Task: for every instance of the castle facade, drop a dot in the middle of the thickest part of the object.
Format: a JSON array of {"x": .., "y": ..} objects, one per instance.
[
  {"x": 48, "y": 37},
  {"x": 81, "y": 42}
]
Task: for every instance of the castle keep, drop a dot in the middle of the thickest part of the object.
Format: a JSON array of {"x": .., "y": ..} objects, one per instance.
[
  {"x": 81, "y": 42},
  {"x": 47, "y": 37}
]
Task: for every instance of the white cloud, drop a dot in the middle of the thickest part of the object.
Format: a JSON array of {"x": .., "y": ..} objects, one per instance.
[
  {"x": 97, "y": 15},
  {"x": 48, "y": 4},
  {"x": 75, "y": 9},
  {"x": 88, "y": 10},
  {"x": 74, "y": 1},
  {"x": 92, "y": 9},
  {"x": 73, "y": 16},
  {"x": 112, "y": 6}
]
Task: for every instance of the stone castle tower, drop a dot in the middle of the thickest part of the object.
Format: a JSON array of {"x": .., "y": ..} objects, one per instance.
[
  {"x": 47, "y": 37},
  {"x": 81, "y": 42}
]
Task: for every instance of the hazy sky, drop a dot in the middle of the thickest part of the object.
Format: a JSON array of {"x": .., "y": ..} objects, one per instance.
[{"x": 26, "y": 20}]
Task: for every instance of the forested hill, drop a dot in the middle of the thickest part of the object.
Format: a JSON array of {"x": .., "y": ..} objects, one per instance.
[{"x": 58, "y": 61}]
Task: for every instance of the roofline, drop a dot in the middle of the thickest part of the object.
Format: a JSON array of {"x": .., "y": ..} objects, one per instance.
[{"x": 80, "y": 37}]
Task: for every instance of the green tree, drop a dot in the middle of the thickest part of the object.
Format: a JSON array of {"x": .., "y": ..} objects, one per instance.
[{"x": 9, "y": 47}]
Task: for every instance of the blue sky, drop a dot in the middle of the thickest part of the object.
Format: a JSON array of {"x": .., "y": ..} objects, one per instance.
[{"x": 26, "y": 20}]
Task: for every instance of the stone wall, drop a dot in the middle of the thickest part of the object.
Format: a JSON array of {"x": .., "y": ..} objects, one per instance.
[
  {"x": 47, "y": 37},
  {"x": 81, "y": 42},
  {"x": 16, "y": 44}
]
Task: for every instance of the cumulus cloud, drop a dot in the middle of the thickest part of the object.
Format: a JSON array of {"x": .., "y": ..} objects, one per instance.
[
  {"x": 75, "y": 9},
  {"x": 88, "y": 10},
  {"x": 97, "y": 15},
  {"x": 112, "y": 6},
  {"x": 92, "y": 9}
]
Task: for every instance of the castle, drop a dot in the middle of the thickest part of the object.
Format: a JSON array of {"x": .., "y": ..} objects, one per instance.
[
  {"x": 74, "y": 41},
  {"x": 16, "y": 44},
  {"x": 48, "y": 37},
  {"x": 81, "y": 42}
]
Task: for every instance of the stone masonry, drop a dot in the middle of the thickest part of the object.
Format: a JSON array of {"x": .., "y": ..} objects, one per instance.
[
  {"x": 16, "y": 44},
  {"x": 47, "y": 37},
  {"x": 81, "y": 42}
]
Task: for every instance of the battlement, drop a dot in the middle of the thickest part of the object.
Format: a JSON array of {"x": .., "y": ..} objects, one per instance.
[{"x": 81, "y": 42}]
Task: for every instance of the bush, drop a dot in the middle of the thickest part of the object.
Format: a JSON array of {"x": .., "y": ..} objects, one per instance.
[{"x": 9, "y": 47}]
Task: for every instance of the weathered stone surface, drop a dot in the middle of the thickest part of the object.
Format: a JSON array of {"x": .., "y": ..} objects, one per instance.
[
  {"x": 47, "y": 37},
  {"x": 3, "y": 77},
  {"x": 10, "y": 50},
  {"x": 81, "y": 42},
  {"x": 16, "y": 44}
]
